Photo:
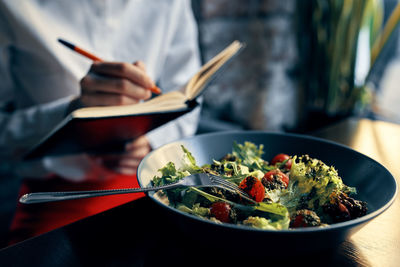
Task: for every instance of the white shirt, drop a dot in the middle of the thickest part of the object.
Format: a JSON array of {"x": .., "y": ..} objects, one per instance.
[{"x": 39, "y": 76}]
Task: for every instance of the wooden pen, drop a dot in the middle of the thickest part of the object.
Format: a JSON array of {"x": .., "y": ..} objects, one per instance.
[{"x": 89, "y": 55}]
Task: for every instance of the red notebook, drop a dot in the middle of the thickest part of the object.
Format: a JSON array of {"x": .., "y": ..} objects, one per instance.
[{"x": 107, "y": 129}]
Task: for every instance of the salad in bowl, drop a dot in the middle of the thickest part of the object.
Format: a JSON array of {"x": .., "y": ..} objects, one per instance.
[{"x": 289, "y": 191}]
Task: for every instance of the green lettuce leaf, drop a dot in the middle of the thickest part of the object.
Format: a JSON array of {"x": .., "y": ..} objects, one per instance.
[
  {"x": 273, "y": 208},
  {"x": 195, "y": 210},
  {"x": 189, "y": 162},
  {"x": 249, "y": 154},
  {"x": 310, "y": 186}
]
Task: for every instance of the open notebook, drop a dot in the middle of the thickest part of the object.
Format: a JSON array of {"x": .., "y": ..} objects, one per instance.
[{"x": 107, "y": 129}]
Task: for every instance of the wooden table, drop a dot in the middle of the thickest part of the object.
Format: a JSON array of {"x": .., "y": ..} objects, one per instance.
[
  {"x": 377, "y": 243},
  {"x": 140, "y": 234}
]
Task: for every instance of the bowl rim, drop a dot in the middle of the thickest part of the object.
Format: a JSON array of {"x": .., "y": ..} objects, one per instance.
[{"x": 331, "y": 227}]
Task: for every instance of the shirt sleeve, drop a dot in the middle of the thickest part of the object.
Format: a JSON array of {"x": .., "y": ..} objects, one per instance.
[
  {"x": 181, "y": 63},
  {"x": 20, "y": 128}
]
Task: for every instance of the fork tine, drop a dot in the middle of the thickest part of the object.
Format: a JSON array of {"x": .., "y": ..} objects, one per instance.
[
  {"x": 224, "y": 182},
  {"x": 220, "y": 179},
  {"x": 230, "y": 185},
  {"x": 237, "y": 191},
  {"x": 227, "y": 183}
]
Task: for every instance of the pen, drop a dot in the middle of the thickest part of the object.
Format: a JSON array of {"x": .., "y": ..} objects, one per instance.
[{"x": 89, "y": 55}]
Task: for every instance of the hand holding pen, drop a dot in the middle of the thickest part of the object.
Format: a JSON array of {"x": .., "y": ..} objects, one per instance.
[
  {"x": 113, "y": 83},
  {"x": 116, "y": 83}
]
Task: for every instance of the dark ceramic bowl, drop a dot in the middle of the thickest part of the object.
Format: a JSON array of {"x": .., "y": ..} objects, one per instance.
[{"x": 374, "y": 184}]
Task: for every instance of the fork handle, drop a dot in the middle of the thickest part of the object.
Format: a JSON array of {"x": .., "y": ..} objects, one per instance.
[{"x": 42, "y": 197}]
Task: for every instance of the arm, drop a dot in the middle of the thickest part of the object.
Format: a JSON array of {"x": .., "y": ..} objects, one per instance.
[
  {"x": 21, "y": 129},
  {"x": 180, "y": 64},
  {"x": 107, "y": 83},
  {"x": 20, "y": 126}
]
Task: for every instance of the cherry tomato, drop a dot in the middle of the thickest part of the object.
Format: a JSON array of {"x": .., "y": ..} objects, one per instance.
[
  {"x": 252, "y": 186},
  {"x": 281, "y": 158},
  {"x": 221, "y": 211},
  {"x": 298, "y": 222},
  {"x": 275, "y": 176},
  {"x": 304, "y": 218}
]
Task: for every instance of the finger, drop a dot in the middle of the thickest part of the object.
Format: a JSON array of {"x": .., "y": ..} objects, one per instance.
[
  {"x": 138, "y": 142},
  {"x": 138, "y": 153},
  {"x": 128, "y": 163},
  {"x": 115, "y": 161},
  {"x": 121, "y": 164},
  {"x": 134, "y": 155},
  {"x": 123, "y": 70},
  {"x": 125, "y": 170},
  {"x": 97, "y": 83},
  {"x": 106, "y": 99},
  {"x": 140, "y": 64}
]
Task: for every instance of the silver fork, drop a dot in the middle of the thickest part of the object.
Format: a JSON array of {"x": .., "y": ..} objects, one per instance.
[{"x": 194, "y": 180}]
